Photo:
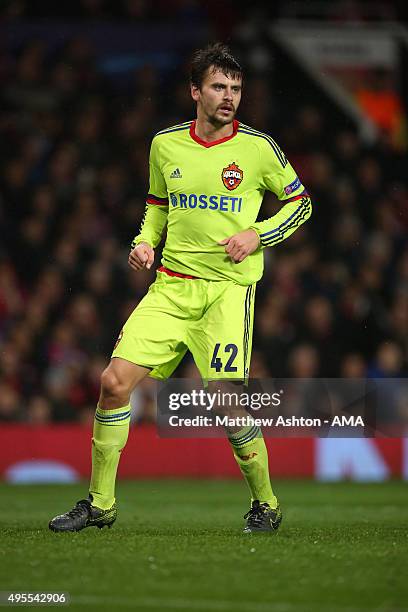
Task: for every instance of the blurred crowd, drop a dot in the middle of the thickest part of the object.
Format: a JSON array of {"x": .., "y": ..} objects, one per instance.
[
  {"x": 333, "y": 301},
  {"x": 226, "y": 12}
]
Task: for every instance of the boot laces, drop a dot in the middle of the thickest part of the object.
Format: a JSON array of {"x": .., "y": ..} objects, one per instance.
[
  {"x": 81, "y": 506},
  {"x": 256, "y": 513}
]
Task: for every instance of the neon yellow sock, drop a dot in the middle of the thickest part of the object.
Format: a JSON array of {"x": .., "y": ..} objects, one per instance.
[
  {"x": 110, "y": 434},
  {"x": 251, "y": 455}
]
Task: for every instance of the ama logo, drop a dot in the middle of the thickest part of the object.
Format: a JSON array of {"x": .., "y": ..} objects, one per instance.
[{"x": 232, "y": 176}]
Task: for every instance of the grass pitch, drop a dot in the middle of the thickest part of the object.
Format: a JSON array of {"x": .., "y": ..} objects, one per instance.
[{"x": 178, "y": 546}]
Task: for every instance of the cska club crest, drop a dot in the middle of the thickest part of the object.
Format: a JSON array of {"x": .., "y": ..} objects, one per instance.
[{"x": 232, "y": 176}]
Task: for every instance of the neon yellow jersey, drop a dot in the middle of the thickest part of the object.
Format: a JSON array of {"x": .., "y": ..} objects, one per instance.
[{"x": 206, "y": 192}]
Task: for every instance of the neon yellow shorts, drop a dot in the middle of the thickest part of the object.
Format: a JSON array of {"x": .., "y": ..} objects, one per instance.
[{"x": 212, "y": 319}]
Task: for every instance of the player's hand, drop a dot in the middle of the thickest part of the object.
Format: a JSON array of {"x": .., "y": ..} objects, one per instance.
[
  {"x": 142, "y": 256},
  {"x": 241, "y": 245}
]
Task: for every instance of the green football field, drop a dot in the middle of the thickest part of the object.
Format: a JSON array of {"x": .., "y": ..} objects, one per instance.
[{"x": 177, "y": 545}]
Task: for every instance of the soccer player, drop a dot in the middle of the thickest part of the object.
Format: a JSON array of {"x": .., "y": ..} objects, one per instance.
[{"x": 207, "y": 181}]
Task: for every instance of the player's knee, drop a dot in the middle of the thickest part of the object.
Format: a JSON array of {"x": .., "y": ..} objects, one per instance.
[{"x": 112, "y": 386}]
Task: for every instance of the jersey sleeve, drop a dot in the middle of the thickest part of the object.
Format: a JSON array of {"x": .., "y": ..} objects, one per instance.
[
  {"x": 157, "y": 203},
  {"x": 278, "y": 176},
  {"x": 157, "y": 185}
]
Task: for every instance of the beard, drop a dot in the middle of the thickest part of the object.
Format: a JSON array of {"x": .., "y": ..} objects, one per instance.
[{"x": 218, "y": 121}]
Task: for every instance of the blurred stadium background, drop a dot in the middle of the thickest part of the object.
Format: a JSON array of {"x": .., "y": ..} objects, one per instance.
[{"x": 84, "y": 86}]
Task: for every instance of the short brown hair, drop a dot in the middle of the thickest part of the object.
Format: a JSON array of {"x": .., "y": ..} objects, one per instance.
[{"x": 217, "y": 55}]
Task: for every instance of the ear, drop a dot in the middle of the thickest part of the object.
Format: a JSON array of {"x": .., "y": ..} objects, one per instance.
[{"x": 195, "y": 92}]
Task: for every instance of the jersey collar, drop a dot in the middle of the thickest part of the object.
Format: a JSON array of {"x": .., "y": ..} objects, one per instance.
[{"x": 206, "y": 144}]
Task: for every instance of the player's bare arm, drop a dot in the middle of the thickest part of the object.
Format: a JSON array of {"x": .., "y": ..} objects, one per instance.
[
  {"x": 142, "y": 256},
  {"x": 240, "y": 245}
]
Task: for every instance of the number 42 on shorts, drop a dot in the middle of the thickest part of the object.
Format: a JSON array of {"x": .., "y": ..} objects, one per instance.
[{"x": 230, "y": 352}]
